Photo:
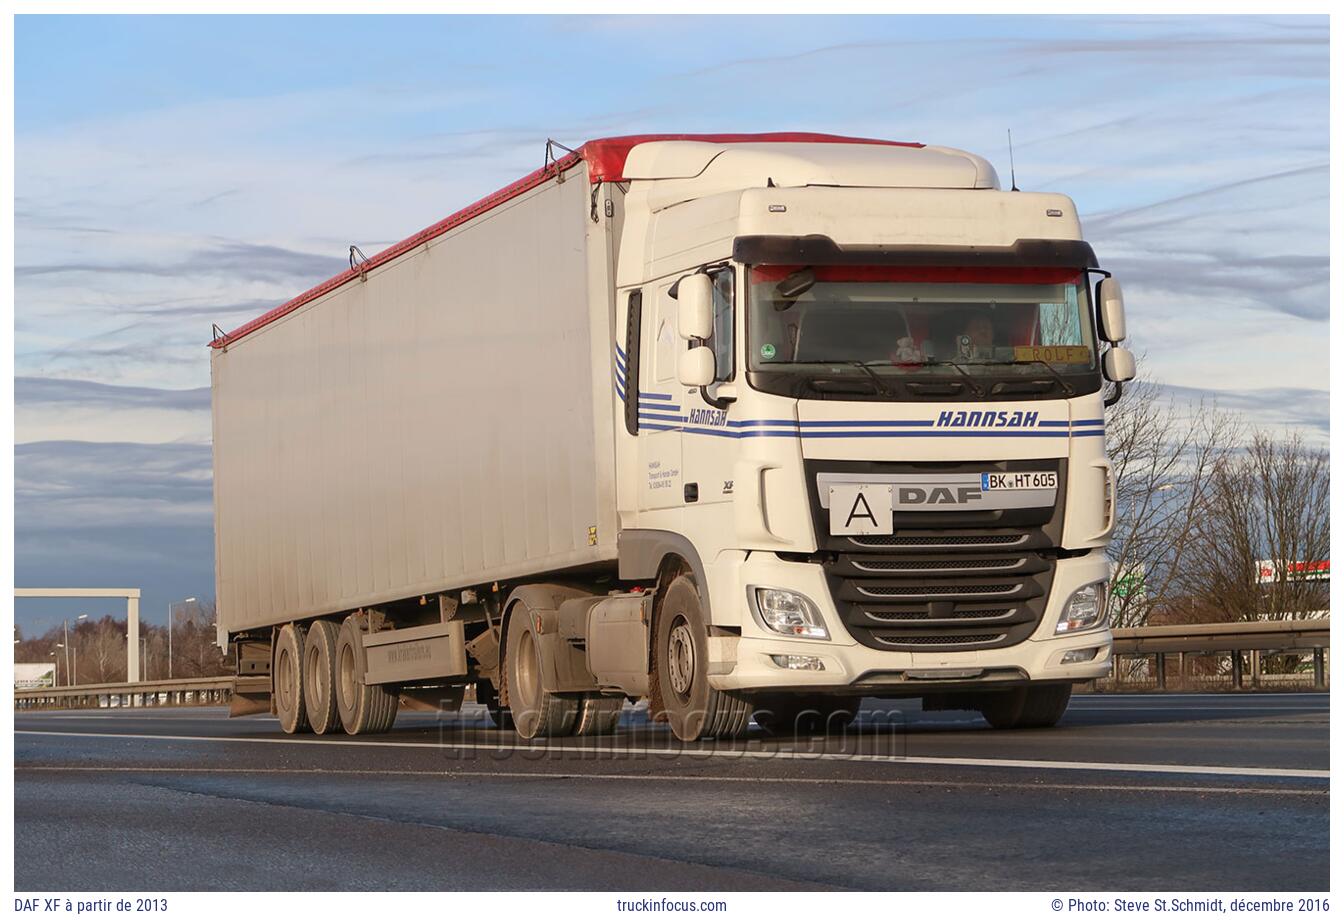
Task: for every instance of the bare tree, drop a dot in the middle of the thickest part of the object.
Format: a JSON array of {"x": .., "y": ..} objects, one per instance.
[
  {"x": 1163, "y": 454},
  {"x": 195, "y": 653},
  {"x": 1268, "y": 504},
  {"x": 103, "y": 653}
]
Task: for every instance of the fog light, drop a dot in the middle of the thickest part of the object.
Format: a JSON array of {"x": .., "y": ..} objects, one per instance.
[
  {"x": 1083, "y": 610},
  {"x": 798, "y": 662},
  {"x": 1080, "y": 655},
  {"x": 789, "y": 613}
]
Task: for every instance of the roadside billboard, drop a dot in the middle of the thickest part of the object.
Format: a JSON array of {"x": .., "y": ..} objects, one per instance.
[
  {"x": 1269, "y": 570},
  {"x": 34, "y": 676}
]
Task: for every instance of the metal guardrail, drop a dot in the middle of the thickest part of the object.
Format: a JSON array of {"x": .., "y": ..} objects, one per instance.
[
  {"x": 199, "y": 691},
  {"x": 1260, "y": 639}
]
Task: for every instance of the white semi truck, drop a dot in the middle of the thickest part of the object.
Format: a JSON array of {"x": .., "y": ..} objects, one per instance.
[{"x": 743, "y": 425}]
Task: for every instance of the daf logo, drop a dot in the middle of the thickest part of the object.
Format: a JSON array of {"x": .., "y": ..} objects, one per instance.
[{"x": 937, "y": 495}]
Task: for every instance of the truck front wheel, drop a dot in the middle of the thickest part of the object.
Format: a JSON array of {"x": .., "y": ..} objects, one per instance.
[
  {"x": 692, "y": 708},
  {"x": 1027, "y": 707}
]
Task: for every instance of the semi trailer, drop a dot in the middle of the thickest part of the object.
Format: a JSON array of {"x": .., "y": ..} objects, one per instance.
[{"x": 746, "y": 426}]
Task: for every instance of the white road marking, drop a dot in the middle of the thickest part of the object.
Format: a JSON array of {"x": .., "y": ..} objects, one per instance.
[
  {"x": 1002, "y": 763},
  {"x": 682, "y": 778}
]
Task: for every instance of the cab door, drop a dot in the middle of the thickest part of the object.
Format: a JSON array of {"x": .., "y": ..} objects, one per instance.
[
  {"x": 709, "y": 450},
  {"x": 661, "y": 415}
]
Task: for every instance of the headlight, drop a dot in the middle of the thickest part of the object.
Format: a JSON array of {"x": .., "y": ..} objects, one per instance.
[
  {"x": 789, "y": 614},
  {"x": 1083, "y": 610}
]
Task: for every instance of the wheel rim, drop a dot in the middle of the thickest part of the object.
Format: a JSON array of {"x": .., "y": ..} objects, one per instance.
[
  {"x": 681, "y": 658},
  {"x": 284, "y": 667},
  {"x": 526, "y": 676},
  {"x": 347, "y": 669}
]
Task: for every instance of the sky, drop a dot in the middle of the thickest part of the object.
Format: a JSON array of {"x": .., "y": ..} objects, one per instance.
[{"x": 174, "y": 172}]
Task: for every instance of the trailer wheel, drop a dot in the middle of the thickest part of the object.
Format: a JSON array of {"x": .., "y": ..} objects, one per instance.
[
  {"x": 365, "y": 709},
  {"x": 319, "y": 677},
  {"x": 805, "y": 715},
  {"x": 599, "y": 715},
  {"x": 1027, "y": 707},
  {"x": 693, "y": 709},
  {"x": 288, "y": 680},
  {"x": 488, "y": 696},
  {"x": 536, "y": 712}
]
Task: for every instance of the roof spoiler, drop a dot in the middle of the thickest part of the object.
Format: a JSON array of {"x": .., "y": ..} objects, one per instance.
[{"x": 816, "y": 249}]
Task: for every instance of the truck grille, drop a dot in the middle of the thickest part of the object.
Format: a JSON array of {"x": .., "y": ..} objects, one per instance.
[
  {"x": 945, "y": 582},
  {"x": 968, "y": 601}
]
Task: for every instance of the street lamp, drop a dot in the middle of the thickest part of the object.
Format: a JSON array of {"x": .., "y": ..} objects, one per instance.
[
  {"x": 56, "y": 663},
  {"x": 189, "y": 600}
]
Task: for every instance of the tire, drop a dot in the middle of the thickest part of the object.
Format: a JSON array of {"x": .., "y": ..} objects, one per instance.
[
  {"x": 804, "y": 715},
  {"x": 287, "y": 680},
  {"x": 1027, "y": 707},
  {"x": 598, "y": 715},
  {"x": 1045, "y": 706},
  {"x": 690, "y": 706},
  {"x": 319, "y": 677},
  {"x": 365, "y": 709},
  {"x": 488, "y": 696},
  {"x": 536, "y": 712}
]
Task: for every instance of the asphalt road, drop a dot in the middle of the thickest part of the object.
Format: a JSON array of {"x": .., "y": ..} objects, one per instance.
[{"x": 1164, "y": 792}]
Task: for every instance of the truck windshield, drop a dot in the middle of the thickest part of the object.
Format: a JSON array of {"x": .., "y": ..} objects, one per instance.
[{"x": 909, "y": 322}]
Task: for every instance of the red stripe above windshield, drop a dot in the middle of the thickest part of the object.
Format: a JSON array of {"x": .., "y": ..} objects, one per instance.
[{"x": 949, "y": 273}]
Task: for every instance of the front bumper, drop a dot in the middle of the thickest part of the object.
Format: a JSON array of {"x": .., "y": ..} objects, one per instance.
[{"x": 746, "y": 663}]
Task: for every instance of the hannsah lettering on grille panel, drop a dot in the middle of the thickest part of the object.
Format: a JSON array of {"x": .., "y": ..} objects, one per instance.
[{"x": 947, "y": 491}]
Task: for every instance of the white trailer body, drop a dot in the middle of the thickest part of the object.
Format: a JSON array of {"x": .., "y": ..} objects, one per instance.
[
  {"x": 743, "y": 424},
  {"x": 441, "y": 420}
]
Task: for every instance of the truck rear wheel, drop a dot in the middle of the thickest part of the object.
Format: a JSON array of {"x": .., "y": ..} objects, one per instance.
[
  {"x": 598, "y": 715},
  {"x": 693, "y": 709},
  {"x": 319, "y": 677},
  {"x": 365, "y": 709},
  {"x": 1027, "y": 707},
  {"x": 805, "y": 715},
  {"x": 536, "y": 711},
  {"x": 288, "y": 680}
]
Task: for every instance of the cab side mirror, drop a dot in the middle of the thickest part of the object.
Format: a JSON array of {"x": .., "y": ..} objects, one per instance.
[
  {"x": 1118, "y": 364},
  {"x": 1111, "y": 310},
  {"x": 695, "y": 306},
  {"x": 695, "y": 366}
]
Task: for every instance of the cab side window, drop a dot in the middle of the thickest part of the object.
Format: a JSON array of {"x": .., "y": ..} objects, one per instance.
[{"x": 722, "y": 342}]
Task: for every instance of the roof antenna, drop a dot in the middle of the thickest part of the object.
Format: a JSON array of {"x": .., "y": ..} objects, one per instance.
[{"x": 1012, "y": 167}]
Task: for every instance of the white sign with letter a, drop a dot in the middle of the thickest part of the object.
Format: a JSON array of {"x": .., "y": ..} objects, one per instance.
[{"x": 860, "y": 509}]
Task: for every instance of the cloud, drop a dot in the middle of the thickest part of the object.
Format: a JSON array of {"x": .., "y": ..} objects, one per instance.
[
  {"x": 1194, "y": 147},
  {"x": 1286, "y": 408},
  {"x": 77, "y": 484},
  {"x": 229, "y": 258},
  {"x": 40, "y": 391},
  {"x": 61, "y": 411}
]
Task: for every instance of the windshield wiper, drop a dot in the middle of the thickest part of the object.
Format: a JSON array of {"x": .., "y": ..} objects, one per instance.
[
  {"x": 881, "y": 387},
  {"x": 959, "y": 368},
  {"x": 1068, "y": 389}
]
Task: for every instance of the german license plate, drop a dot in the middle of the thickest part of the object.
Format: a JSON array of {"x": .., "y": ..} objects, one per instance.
[{"x": 1008, "y": 482}]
